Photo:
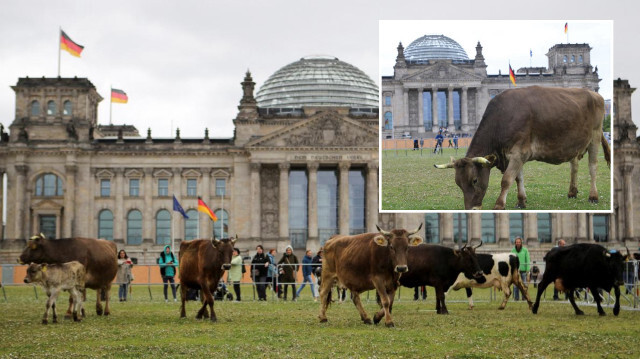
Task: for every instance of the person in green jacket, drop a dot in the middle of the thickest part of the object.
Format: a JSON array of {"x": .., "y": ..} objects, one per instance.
[
  {"x": 525, "y": 260},
  {"x": 235, "y": 273},
  {"x": 168, "y": 264}
]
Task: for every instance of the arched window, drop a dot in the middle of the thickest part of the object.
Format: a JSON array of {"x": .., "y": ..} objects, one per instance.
[
  {"x": 191, "y": 225},
  {"x": 134, "y": 227},
  {"x": 35, "y": 108},
  {"x": 221, "y": 226},
  {"x": 564, "y": 59},
  {"x": 105, "y": 225},
  {"x": 49, "y": 185},
  {"x": 573, "y": 58},
  {"x": 51, "y": 108},
  {"x": 67, "y": 108},
  {"x": 388, "y": 121},
  {"x": 163, "y": 227}
]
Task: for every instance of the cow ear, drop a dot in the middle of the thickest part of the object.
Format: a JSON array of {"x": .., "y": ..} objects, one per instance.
[
  {"x": 381, "y": 240},
  {"x": 415, "y": 240},
  {"x": 492, "y": 160}
]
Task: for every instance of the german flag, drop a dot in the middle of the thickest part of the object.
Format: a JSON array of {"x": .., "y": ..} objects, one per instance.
[
  {"x": 119, "y": 96},
  {"x": 71, "y": 47},
  {"x": 202, "y": 207},
  {"x": 566, "y": 27},
  {"x": 512, "y": 75}
]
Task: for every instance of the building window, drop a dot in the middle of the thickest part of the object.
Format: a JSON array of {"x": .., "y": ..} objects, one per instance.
[
  {"x": 442, "y": 109},
  {"x": 488, "y": 228},
  {"x": 432, "y": 228},
  {"x": 105, "y": 188},
  {"x": 134, "y": 227},
  {"x": 51, "y": 108},
  {"x": 387, "y": 100},
  {"x": 48, "y": 226},
  {"x": 191, "y": 225},
  {"x": 564, "y": 59},
  {"x": 163, "y": 187},
  {"x": 456, "y": 110},
  {"x": 327, "y": 204},
  {"x": 427, "y": 113},
  {"x": 516, "y": 227},
  {"x": 357, "y": 201},
  {"x": 544, "y": 227},
  {"x": 163, "y": 227},
  {"x": 134, "y": 187},
  {"x": 105, "y": 225},
  {"x": 388, "y": 121},
  {"x": 221, "y": 187},
  {"x": 573, "y": 58},
  {"x": 298, "y": 197},
  {"x": 580, "y": 60},
  {"x": 460, "y": 228},
  {"x": 601, "y": 227},
  {"x": 67, "y": 109},
  {"x": 35, "y": 108},
  {"x": 192, "y": 187},
  {"x": 49, "y": 185},
  {"x": 221, "y": 226}
]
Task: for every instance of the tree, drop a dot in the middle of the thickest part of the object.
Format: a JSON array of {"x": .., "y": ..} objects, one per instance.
[{"x": 606, "y": 124}]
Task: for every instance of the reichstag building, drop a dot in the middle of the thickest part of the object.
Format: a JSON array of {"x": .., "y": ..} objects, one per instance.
[{"x": 301, "y": 166}]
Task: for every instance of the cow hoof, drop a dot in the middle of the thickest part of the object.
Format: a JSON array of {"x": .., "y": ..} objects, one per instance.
[
  {"x": 521, "y": 205},
  {"x": 367, "y": 321},
  {"x": 106, "y": 313},
  {"x": 579, "y": 312},
  {"x": 323, "y": 320},
  {"x": 602, "y": 314},
  {"x": 572, "y": 195},
  {"x": 214, "y": 319},
  {"x": 593, "y": 200},
  {"x": 616, "y": 311},
  {"x": 389, "y": 325},
  {"x": 44, "y": 321},
  {"x": 55, "y": 321},
  {"x": 501, "y": 308},
  {"x": 376, "y": 319},
  {"x": 67, "y": 316},
  {"x": 471, "y": 307},
  {"x": 99, "y": 311}
]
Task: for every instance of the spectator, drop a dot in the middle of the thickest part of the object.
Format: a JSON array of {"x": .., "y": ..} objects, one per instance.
[
  {"x": 561, "y": 243},
  {"x": 420, "y": 289},
  {"x": 235, "y": 273},
  {"x": 123, "y": 277},
  {"x": 272, "y": 273},
  {"x": 421, "y": 142},
  {"x": 259, "y": 269},
  {"x": 415, "y": 145},
  {"x": 288, "y": 270},
  {"x": 450, "y": 143},
  {"x": 523, "y": 256},
  {"x": 307, "y": 269},
  {"x": 455, "y": 141},
  {"x": 439, "y": 139},
  {"x": 168, "y": 263},
  {"x": 317, "y": 268},
  {"x": 535, "y": 272}
]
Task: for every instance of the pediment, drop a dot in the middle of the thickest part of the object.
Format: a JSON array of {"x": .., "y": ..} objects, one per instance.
[
  {"x": 324, "y": 129},
  {"x": 162, "y": 173},
  {"x": 104, "y": 173},
  {"x": 133, "y": 173},
  {"x": 190, "y": 172},
  {"x": 220, "y": 173},
  {"x": 442, "y": 71},
  {"x": 46, "y": 205}
]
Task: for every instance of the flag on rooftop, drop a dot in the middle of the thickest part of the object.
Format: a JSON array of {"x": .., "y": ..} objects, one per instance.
[
  {"x": 119, "y": 96},
  {"x": 512, "y": 75},
  {"x": 69, "y": 45},
  {"x": 566, "y": 27},
  {"x": 202, "y": 207}
]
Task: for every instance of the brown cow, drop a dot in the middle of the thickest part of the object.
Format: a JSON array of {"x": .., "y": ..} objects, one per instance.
[
  {"x": 55, "y": 278},
  {"x": 98, "y": 256},
  {"x": 364, "y": 262},
  {"x": 202, "y": 264},
  {"x": 552, "y": 125}
]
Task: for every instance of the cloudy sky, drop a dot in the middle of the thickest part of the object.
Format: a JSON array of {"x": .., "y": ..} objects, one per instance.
[{"x": 181, "y": 62}]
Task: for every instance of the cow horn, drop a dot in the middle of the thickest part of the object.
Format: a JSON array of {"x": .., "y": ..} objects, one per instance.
[
  {"x": 446, "y": 165},
  {"x": 479, "y": 245},
  {"x": 382, "y": 231},
  {"x": 416, "y": 231},
  {"x": 480, "y": 160},
  {"x": 234, "y": 239},
  {"x": 463, "y": 247}
]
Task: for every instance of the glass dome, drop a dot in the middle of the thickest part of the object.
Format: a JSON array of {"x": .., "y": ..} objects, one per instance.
[
  {"x": 318, "y": 81},
  {"x": 432, "y": 47}
]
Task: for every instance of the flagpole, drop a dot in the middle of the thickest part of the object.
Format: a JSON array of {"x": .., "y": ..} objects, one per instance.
[
  {"x": 59, "y": 50},
  {"x": 222, "y": 215},
  {"x": 172, "y": 228}
]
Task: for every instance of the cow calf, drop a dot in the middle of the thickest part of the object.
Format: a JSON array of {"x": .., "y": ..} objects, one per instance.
[{"x": 54, "y": 278}]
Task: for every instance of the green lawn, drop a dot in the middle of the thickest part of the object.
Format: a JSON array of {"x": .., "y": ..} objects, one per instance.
[
  {"x": 410, "y": 182},
  {"x": 151, "y": 328}
]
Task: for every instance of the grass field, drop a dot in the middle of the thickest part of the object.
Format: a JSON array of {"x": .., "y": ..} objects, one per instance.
[
  {"x": 410, "y": 182},
  {"x": 151, "y": 328}
]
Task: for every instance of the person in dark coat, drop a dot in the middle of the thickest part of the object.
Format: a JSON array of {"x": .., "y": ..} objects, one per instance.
[
  {"x": 259, "y": 269},
  {"x": 288, "y": 269}
]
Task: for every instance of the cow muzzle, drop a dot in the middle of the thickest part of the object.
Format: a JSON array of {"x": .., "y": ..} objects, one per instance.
[
  {"x": 226, "y": 266},
  {"x": 20, "y": 261},
  {"x": 402, "y": 269},
  {"x": 26, "y": 280},
  {"x": 478, "y": 274}
]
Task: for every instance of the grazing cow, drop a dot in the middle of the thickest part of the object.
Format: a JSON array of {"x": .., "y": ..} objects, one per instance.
[
  {"x": 363, "y": 262},
  {"x": 202, "y": 264},
  {"x": 552, "y": 125},
  {"x": 500, "y": 271},
  {"x": 583, "y": 265},
  {"x": 56, "y": 277},
  {"x": 98, "y": 256},
  {"x": 438, "y": 266}
]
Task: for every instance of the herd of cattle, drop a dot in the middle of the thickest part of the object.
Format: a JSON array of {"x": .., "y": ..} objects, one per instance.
[{"x": 382, "y": 261}]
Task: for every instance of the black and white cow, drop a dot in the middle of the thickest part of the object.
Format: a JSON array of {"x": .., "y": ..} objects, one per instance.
[{"x": 500, "y": 271}]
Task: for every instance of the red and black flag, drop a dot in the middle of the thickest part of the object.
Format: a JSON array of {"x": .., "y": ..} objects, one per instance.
[
  {"x": 512, "y": 75},
  {"x": 69, "y": 45},
  {"x": 119, "y": 96}
]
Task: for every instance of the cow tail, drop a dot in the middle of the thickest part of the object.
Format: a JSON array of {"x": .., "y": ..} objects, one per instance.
[{"x": 606, "y": 149}]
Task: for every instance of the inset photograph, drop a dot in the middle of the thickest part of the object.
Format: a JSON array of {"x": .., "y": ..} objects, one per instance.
[{"x": 496, "y": 115}]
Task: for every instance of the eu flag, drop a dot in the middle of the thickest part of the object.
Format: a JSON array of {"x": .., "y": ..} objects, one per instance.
[{"x": 177, "y": 207}]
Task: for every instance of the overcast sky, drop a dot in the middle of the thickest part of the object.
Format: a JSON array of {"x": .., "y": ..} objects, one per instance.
[
  {"x": 181, "y": 62},
  {"x": 506, "y": 42}
]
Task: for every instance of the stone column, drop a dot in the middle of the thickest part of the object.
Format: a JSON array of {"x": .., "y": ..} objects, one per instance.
[
  {"x": 343, "y": 196},
  {"x": 434, "y": 110},
  {"x": 531, "y": 230},
  {"x": 420, "y": 110},
  {"x": 626, "y": 170},
  {"x": 447, "y": 230},
  {"x": 118, "y": 212},
  {"x": 69, "y": 200},
  {"x": 147, "y": 212},
  {"x": 284, "y": 201},
  {"x": 581, "y": 230},
  {"x": 502, "y": 230},
  {"x": 312, "y": 201},
  {"x": 475, "y": 228},
  {"x": 205, "y": 224},
  {"x": 452, "y": 126},
  {"x": 371, "y": 196},
  {"x": 464, "y": 111},
  {"x": 405, "y": 97},
  {"x": 20, "y": 219},
  {"x": 255, "y": 200}
]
